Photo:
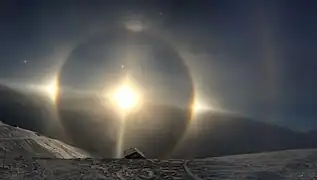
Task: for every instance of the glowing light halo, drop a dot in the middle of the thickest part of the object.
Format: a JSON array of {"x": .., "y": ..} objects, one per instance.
[
  {"x": 125, "y": 97},
  {"x": 195, "y": 91},
  {"x": 135, "y": 25},
  {"x": 52, "y": 89},
  {"x": 172, "y": 47},
  {"x": 194, "y": 96},
  {"x": 200, "y": 106}
]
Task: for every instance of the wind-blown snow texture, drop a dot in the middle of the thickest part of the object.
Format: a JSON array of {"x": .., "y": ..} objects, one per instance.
[
  {"x": 297, "y": 164},
  {"x": 24, "y": 155},
  {"x": 17, "y": 141}
]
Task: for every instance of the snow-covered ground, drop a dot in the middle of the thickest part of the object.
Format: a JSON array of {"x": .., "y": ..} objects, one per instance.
[
  {"x": 283, "y": 165},
  {"x": 279, "y": 165},
  {"x": 37, "y": 157},
  {"x": 16, "y": 141}
]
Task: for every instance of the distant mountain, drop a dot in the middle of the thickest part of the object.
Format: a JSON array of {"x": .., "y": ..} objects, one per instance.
[
  {"x": 21, "y": 110},
  {"x": 312, "y": 132},
  {"x": 154, "y": 130},
  {"x": 157, "y": 130},
  {"x": 28, "y": 110},
  {"x": 15, "y": 142},
  {"x": 217, "y": 134}
]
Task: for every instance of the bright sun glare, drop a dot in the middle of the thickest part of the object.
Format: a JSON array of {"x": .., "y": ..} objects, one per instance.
[
  {"x": 126, "y": 97},
  {"x": 51, "y": 90},
  {"x": 200, "y": 106}
]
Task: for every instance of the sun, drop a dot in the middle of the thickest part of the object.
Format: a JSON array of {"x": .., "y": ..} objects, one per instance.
[{"x": 125, "y": 97}]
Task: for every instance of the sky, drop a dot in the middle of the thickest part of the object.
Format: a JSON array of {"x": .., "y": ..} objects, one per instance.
[{"x": 255, "y": 58}]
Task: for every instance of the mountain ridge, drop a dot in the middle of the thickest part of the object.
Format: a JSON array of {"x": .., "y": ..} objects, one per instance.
[{"x": 209, "y": 135}]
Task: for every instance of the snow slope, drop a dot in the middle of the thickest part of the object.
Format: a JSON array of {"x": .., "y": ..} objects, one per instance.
[
  {"x": 279, "y": 165},
  {"x": 15, "y": 141},
  {"x": 283, "y": 165},
  {"x": 24, "y": 155}
]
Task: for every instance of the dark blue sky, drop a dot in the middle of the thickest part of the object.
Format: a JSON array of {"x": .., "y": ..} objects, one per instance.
[{"x": 257, "y": 58}]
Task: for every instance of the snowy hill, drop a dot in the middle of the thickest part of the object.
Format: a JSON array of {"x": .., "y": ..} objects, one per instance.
[
  {"x": 20, "y": 142},
  {"x": 279, "y": 165},
  {"x": 282, "y": 165},
  {"x": 25, "y": 155}
]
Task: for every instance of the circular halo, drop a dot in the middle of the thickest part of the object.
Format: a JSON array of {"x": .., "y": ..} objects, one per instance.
[{"x": 97, "y": 65}]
